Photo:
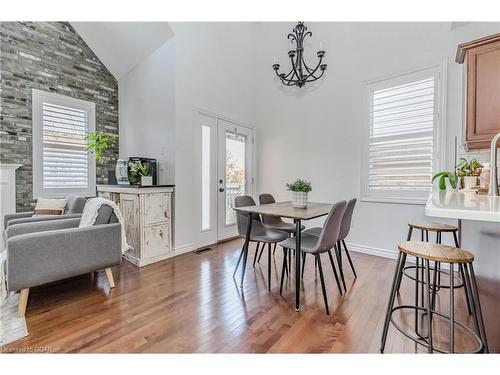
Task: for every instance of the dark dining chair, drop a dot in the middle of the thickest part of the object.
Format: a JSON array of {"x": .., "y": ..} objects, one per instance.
[
  {"x": 345, "y": 227},
  {"x": 274, "y": 222},
  {"x": 259, "y": 232},
  {"x": 317, "y": 245}
]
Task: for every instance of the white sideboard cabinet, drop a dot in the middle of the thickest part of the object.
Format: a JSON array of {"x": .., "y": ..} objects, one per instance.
[{"x": 147, "y": 212}]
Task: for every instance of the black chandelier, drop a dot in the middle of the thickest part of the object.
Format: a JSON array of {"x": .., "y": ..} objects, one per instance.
[{"x": 300, "y": 72}]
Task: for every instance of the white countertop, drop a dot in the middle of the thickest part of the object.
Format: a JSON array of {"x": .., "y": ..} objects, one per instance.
[{"x": 463, "y": 205}]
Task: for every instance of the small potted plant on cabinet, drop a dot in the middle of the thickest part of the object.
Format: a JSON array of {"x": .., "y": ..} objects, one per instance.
[
  {"x": 140, "y": 174},
  {"x": 469, "y": 172},
  {"x": 299, "y": 189}
]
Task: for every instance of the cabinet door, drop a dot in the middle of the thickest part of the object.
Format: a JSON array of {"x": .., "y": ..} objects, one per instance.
[
  {"x": 483, "y": 95},
  {"x": 156, "y": 241},
  {"x": 156, "y": 208},
  {"x": 129, "y": 207}
]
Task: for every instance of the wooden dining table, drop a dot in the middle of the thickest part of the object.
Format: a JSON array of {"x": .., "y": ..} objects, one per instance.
[{"x": 284, "y": 210}]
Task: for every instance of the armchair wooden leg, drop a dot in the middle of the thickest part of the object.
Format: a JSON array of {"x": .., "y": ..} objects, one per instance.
[
  {"x": 23, "y": 302},
  {"x": 109, "y": 275}
]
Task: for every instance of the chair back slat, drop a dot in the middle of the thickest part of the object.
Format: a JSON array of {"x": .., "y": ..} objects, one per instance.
[
  {"x": 242, "y": 218},
  {"x": 269, "y": 220},
  {"x": 330, "y": 232},
  {"x": 345, "y": 227}
]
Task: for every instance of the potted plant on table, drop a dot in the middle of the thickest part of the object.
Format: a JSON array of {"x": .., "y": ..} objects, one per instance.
[
  {"x": 299, "y": 189},
  {"x": 469, "y": 172}
]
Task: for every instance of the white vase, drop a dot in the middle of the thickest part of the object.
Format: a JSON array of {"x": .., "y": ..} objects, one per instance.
[
  {"x": 299, "y": 199},
  {"x": 470, "y": 182},
  {"x": 146, "y": 180}
]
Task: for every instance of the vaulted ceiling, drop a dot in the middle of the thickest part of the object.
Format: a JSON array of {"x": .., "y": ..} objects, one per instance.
[{"x": 122, "y": 45}]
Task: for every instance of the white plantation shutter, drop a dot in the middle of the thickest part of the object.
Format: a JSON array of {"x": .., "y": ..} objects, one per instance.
[
  {"x": 401, "y": 154},
  {"x": 61, "y": 163}
]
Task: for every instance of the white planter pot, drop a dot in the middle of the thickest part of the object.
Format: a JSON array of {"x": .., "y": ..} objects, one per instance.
[
  {"x": 470, "y": 182},
  {"x": 299, "y": 199},
  {"x": 146, "y": 180}
]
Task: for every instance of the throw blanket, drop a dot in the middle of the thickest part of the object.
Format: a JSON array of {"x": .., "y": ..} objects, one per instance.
[{"x": 90, "y": 212}]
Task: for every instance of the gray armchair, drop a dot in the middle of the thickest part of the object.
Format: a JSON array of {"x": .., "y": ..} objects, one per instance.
[
  {"x": 74, "y": 208},
  {"x": 47, "y": 251}
]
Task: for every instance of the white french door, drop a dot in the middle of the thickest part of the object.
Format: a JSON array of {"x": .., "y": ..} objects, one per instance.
[{"x": 224, "y": 170}]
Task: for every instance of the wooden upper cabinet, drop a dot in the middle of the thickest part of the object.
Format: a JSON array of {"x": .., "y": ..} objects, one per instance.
[{"x": 482, "y": 90}]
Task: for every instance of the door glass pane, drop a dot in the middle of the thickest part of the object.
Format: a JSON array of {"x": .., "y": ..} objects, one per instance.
[
  {"x": 235, "y": 172},
  {"x": 205, "y": 177}
]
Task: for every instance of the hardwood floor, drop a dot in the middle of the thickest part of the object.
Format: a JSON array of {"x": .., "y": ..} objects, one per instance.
[{"x": 190, "y": 304}]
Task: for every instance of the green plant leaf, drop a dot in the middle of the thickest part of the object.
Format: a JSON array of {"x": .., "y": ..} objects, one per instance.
[{"x": 442, "y": 182}]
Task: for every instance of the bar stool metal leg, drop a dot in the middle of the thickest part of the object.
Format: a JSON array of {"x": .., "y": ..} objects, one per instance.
[
  {"x": 429, "y": 310},
  {"x": 477, "y": 305},
  {"x": 452, "y": 310},
  {"x": 398, "y": 273}
]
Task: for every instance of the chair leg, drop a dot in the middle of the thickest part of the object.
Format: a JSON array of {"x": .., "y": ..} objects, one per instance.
[
  {"x": 238, "y": 262},
  {"x": 303, "y": 263},
  {"x": 255, "y": 255},
  {"x": 269, "y": 266},
  {"x": 261, "y": 251},
  {"x": 321, "y": 277},
  {"x": 349, "y": 259},
  {"x": 109, "y": 275},
  {"x": 23, "y": 302},
  {"x": 274, "y": 250},
  {"x": 334, "y": 271},
  {"x": 339, "y": 262},
  {"x": 283, "y": 269}
]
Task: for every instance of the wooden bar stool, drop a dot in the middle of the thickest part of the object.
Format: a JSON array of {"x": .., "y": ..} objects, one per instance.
[
  {"x": 427, "y": 252},
  {"x": 439, "y": 229}
]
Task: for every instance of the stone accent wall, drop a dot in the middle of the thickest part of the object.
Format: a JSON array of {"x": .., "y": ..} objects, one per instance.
[{"x": 48, "y": 56}]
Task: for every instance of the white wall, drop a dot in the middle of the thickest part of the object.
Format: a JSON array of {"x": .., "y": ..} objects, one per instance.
[
  {"x": 316, "y": 133},
  {"x": 214, "y": 72},
  {"x": 147, "y": 111}
]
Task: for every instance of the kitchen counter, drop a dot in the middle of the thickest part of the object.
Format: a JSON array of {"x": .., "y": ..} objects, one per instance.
[{"x": 463, "y": 205}]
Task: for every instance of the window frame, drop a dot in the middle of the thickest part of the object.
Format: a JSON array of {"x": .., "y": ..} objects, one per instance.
[
  {"x": 414, "y": 198},
  {"x": 38, "y": 98}
]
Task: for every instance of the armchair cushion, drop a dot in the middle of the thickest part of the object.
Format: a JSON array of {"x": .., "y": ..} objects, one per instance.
[
  {"x": 40, "y": 226},
  {"x": 39, "y": 258}
]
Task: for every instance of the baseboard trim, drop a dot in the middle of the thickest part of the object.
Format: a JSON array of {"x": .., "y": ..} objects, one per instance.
[
  {"x": 384, "y": 253},
  {"x": 184, "y": 249}
]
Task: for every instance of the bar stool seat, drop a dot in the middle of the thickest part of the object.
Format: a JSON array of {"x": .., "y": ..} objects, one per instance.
[
  {"x": 433, "y": 227},
  {"x": 436, "y": 252},
  {"x": 426, "y": 252}
]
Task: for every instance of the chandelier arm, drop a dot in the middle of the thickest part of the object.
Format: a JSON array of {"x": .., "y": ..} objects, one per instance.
[
  {"x": 279, "y": 76},
  {"x": 294, "y": 68},
  {"x": 315, "y": 69},
  {"x": 289, "y": 80},
  {"x": 315, "y": 78}
]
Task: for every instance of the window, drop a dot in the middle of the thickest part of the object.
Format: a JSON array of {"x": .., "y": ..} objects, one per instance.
[
  {"x": 401, "y": 154},
  {"x": 61, "y": 165}
]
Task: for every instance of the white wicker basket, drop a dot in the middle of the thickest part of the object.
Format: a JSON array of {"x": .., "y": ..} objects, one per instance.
[{"x": 299, "y": 199}]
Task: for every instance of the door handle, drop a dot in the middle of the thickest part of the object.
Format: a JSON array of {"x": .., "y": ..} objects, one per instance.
[{"x": 221, "y": 190}]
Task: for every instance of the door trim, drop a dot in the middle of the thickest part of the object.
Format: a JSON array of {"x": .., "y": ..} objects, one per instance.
[{"x": 197, "y": 111}]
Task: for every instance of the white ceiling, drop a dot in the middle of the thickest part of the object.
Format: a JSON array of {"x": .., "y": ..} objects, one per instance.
[{"x": 122, "y": 45}]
